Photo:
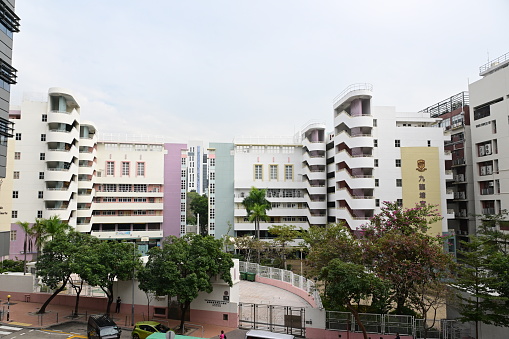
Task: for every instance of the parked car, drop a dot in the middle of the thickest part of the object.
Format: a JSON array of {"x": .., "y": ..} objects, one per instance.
[
  {"x": 100, "y": 326},
  {"x": 142, "y": 329}
]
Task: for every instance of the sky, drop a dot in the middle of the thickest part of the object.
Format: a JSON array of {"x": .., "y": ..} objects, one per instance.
[{"x": 216, "y": 70}]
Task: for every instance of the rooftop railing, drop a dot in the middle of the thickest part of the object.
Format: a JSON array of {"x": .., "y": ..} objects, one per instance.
[{"x": 351, "y": 88}]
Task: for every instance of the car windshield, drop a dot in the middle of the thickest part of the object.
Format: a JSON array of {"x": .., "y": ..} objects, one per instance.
[
  {"x": 111, "y": 330},
  {"x": 161, "y": 328}
]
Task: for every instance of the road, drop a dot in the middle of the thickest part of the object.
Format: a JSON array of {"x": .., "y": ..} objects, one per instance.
[{"x": 67, "y": 330}]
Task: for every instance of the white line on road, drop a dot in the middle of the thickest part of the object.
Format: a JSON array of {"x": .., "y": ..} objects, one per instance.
[{"x": 10, "y": 328}]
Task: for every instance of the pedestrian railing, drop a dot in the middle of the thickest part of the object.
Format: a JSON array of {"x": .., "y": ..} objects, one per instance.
[{"x": 295, "y": 280}]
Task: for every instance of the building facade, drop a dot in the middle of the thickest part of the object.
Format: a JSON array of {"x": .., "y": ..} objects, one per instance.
[
  {"x": 489, "y": 101},
  {"x": 9, "y": 24}
]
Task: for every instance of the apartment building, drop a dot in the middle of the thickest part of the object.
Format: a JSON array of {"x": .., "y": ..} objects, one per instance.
[
  {"x": 9, "y": 24},
  {"x": 489, "y": 101},
  {"x": 455, "y": 114},
  {"x": 377, "y": 154},
  {"x": 115, "y": 189}
]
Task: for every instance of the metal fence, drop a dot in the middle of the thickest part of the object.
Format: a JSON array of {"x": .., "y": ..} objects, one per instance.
[
  {"x": 391, "y": 324},
  {"x": 295, "y": 280}
]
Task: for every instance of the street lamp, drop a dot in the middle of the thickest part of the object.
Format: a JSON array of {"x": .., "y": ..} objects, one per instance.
[
  {"x": 8, "y": 305},
  {"x": 132, "y": 297}
]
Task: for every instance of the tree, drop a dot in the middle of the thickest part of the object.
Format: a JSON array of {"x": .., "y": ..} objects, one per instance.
[
  {"x": 45, "y": 229},
  {"x": 257, "y": 206},
  {"x": 330, "y": 242},
  {"x": 200, "y": 207},
  {"x": 347, "y": 284},
  {"x": 247, "y": 244},
  {"x": 183, "y": 268},
  {"x": 482, "y": 278},
  {"x": 63, "y": 256},
  {"x": 397, "y": 248},
  {"x": 111, "y": 261},
  {"x": 27, "y": 229},
  {"x": 284, "y": 235}
]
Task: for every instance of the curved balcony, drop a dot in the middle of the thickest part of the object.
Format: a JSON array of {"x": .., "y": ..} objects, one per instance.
[
  {"x": 314, "y": 159},
  {"x": 360, "y": 161},
  {"x": 356, "y": 202},
  {"x": 89, "y": 141},
  {"x": 355, "y": 182},
  {"x": 318, "y": 220},
  {"x": 352, "y": 92},
  {"x": 353, "y": 121},
  {"x": 62, "y": 136},
  {"x": 361, "y": 140}
]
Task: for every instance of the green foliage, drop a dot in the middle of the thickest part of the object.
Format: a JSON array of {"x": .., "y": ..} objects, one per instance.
[
  {"x": 9, "y": 265},
  {"x": 397, "y": 248},
  {"x": 63, "y": 256},
  {"x": 257, "y": 206},
  {"x": 330, "y": 242},
  {"x": 199, "y": 205},
  {"x": 284, "y": 234},
  {"x": 110, "y": 261},
  {"x": 347, "y": 284},
  {"x": 183, "y": 268},
  {"x": 483, "y": 278}
]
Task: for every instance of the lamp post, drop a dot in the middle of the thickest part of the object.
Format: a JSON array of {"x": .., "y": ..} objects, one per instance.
[
  {"x": 132, "y": 297},
  {"x": 8, "y": 306}
]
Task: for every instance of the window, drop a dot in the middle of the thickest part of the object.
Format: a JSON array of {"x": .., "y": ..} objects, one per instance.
[
  {"x": 399, "y": 202},
  {"x": 110, "y": 168},
  {"x": 109, "y": 188},
  {"x": 18, "y": 136},
  {"x": 44, "y": 118},
  {"x": 16, "y": 174},
  {"x": 40, "y": 194},
  {"x": 273, "y": 172},
  {"x": 398, "y": 162},
  {"x": 124, "y": 188},
  {"x": 43, "y": 137},
  {"x": 397, "y": 143},
  {"x": 125, "y": 168},
  {"x": 429, "y": 143},
  {"x": 375, "y": 143},
  {"x": 377, "y": 182},
  {"x": 42, "y": 156},
  {"x": 288, "y": 172},
  {"x": 375, "y": 123},
  {"x": 399, "y": 183},
  {"x": 17, "y": 155},
  {"x": 13, "y": 235},
  {"x": 140, "y": 169},
  {"x": 140, "y": 188},
  {"x": 376, "y": 163},
  {"x": 41, "y": 175},
  {"x": 377, "y": 202},
  {"x": 182, "y": 207},
  {"x": 39, "y": 214},
  {"x": 14, "y": 214},
  {"x": 258, "y": 174},
  {"x": 15, "y": 194}
]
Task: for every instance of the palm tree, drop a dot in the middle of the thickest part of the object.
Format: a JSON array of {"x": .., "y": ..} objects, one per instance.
[
  {"x": 257, "y": 206},
  {"x": 45, "y": 229},
  {"x": 25, "y": 225}
]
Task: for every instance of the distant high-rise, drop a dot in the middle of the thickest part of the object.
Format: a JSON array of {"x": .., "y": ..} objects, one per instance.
[{"x": 9, "y": 24}]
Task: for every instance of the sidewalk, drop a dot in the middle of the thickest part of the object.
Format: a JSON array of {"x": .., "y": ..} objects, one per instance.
[{"x": 23, "y": 314}]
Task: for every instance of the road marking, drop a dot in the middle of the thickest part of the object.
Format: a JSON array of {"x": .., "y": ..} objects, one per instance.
[
  {"x": 10, "y": 328},
  {"x": 4, "y": 333},
  {"x": 71, "y": 335},
  {"x": 19, "y": 324}
]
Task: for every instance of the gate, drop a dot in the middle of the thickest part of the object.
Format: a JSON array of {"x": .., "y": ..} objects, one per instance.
[{"x": 280, "y": 319}]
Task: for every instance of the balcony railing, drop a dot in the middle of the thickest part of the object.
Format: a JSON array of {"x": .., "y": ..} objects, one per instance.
[{"x": 351, "y": 88}]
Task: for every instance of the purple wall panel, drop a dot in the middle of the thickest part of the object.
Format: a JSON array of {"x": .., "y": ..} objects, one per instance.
[{"x": 172, "y": 167}]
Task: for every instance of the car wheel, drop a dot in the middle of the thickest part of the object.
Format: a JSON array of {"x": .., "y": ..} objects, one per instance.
[{"x": 136, "y": 336}]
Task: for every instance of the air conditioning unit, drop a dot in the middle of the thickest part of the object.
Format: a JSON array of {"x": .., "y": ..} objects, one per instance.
[{"x": 481, "y": 150}]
